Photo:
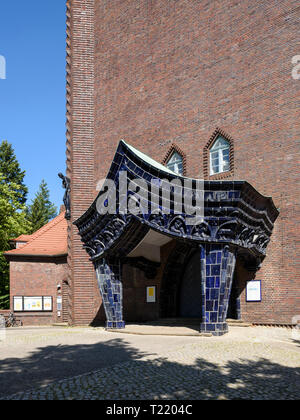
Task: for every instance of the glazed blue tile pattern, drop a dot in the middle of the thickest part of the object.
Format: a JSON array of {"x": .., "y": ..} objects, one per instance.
[
  {"x": 234, "y": 212},
  {"x": 110, "y": 285},
  {"x": 217, "y": 268},
  {"x": 236, "y": 218}
]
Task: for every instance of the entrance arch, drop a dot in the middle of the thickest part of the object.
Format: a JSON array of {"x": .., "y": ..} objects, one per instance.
[{"x": 235, "y": 218}]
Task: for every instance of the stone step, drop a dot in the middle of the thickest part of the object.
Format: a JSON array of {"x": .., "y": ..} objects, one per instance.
[
  {"x": 237, "y": 323},
  {"x": 60, "y": 324},
  {"x": 175, "y": 321},
  {"x": 192, "y": 322}
]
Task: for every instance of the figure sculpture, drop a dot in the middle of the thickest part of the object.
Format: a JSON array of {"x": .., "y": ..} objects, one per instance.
[{"x": 66, "y": 183}]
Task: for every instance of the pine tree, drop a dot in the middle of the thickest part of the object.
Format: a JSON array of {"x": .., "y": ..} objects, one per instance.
[
  {"x": 11, "y": 171},
  {"x": 41, "y": 211},
  {"x": 13, "y": 223}
]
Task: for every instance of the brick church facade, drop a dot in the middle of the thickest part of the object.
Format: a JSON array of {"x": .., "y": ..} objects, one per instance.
[{"x": 173, "y": 76}]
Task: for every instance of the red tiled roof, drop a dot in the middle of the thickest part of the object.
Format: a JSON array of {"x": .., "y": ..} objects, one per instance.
[{"x": 50, "y": 240}]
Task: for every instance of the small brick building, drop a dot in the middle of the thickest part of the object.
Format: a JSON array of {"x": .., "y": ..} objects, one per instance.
[{"x": 38, "y": 274}]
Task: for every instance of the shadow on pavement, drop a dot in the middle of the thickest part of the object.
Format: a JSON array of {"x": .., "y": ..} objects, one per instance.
[
  {"x": 62, "y": 361},
  {"x": 157, "y": 378}
]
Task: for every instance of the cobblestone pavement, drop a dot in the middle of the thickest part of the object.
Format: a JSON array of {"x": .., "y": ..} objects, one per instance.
[{"x": 248, "y": 363}]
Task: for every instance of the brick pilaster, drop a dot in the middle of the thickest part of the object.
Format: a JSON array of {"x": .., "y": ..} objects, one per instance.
[{"x": 80, "y": 150}]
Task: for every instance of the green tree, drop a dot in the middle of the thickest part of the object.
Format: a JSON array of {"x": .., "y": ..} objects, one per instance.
[
  {"x": 41, "y": 211},
  {"x": 10, "y": 169},
  {"x": 13, "y": 222}
]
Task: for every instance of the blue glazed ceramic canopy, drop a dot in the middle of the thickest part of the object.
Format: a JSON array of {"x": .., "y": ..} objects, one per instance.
[
  {"x": 235, "y": 219},
  {"x": 234, "y": 212}
]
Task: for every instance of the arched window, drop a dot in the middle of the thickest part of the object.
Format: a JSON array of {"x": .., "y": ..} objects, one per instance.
[
  {"x": 175, "y": 163},
  {"x": 219, "y": 156}
]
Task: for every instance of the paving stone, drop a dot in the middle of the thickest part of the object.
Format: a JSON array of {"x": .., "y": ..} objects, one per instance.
[{"x": 233, "y": 367}]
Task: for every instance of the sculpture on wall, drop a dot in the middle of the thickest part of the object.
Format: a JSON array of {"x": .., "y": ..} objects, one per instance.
[{"x": 66, "y": 183}]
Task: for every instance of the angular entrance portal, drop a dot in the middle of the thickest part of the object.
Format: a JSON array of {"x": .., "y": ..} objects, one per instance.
[{"x": 142, "y": 195}]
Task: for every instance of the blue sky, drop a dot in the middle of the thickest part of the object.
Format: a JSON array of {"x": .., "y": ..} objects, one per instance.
[{"x": 32, "y": 97}]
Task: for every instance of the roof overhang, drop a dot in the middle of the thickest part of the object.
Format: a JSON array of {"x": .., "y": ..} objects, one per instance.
[
  {"x": 229, "y": 212},
  {"x": 18, "y": 257}
]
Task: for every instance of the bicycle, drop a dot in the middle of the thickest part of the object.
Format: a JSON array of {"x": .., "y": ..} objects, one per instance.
[{"x": 12, "y": 321}]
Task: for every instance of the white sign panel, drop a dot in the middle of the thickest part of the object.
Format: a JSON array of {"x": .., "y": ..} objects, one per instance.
[
  {"x": 151, "y": 294},
  {"x": 47, "y": 303},
  {"x": 253, "y": 291},
  {"x": 18, "y": 303},
  {"x": 33, "y": 304},
  {"x": 59, "y": 303}
]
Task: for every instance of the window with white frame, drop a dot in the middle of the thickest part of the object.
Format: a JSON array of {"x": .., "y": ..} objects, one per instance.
[
  {"x": 219, "y": 156},
  {"x": 175, "y": 163}
]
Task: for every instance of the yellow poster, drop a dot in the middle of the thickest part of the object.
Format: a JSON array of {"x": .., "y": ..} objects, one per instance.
[{"x": 151, "y": 294}]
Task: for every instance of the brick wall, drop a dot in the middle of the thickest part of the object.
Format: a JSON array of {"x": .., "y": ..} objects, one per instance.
[
  {"x": 37, "y": 278},
  {"x": 161, "y": 72},
  {"x": 80, "y": 153}
]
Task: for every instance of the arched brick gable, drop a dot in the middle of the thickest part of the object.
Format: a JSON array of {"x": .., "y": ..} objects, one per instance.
[
  {"x": 174, "y": 148},
  {"x": 206, "y": 161}
]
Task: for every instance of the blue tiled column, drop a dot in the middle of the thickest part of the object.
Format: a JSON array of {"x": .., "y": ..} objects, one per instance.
[
  {"x": 217, "y": 268},
  {"x": 110, "y": 285}
]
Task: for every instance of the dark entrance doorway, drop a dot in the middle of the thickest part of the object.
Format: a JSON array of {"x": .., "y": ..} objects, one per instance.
[
  {"x": 190, "y": 290},
  {"x": 234, "y": 300}
]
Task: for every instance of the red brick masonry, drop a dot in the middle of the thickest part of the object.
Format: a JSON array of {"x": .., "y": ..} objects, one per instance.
[
  {"x": 39, "y": 268},
  {"x": 157, "y": 73}
]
